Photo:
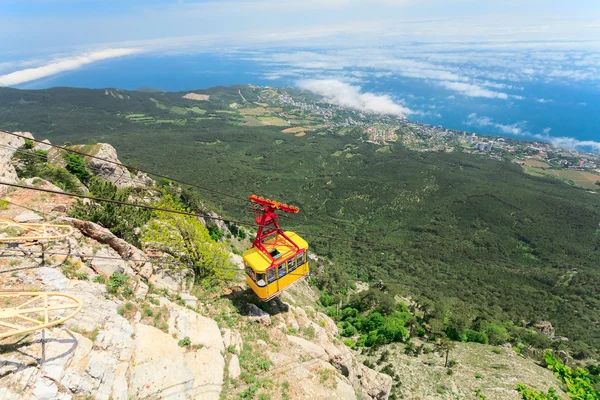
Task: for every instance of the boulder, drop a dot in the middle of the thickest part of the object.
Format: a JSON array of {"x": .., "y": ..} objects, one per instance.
[
  {"x": 60, "y": 208},
  {"x": 372, "y": 384},
  {"x": 258, "y": 315},
  {"x": 104, "y": 262},
  {"x": 234, "y": 369},
  {"x": 28, "y": 217}
]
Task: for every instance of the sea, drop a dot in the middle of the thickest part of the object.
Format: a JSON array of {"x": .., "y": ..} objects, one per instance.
[{"x": 569, "y": 110}]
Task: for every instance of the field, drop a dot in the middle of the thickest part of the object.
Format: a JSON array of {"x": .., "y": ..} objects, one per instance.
[
  {"x": 580, "y": 178},
  {"x": 274, "y": 121},
  {"x": 537, "y": 164},
  {"x": 296, "y": 129},
  {"x": 253, "y": 111}
]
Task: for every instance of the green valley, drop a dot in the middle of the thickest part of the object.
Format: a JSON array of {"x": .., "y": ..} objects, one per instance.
[{"x": 478, "y": 242}]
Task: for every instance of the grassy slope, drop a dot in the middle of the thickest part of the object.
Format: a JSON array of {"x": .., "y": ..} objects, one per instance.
[{"x": 481, "y": 235}]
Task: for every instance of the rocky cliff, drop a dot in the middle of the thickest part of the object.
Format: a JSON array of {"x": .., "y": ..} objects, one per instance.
[{"x": 153, "y": 335}]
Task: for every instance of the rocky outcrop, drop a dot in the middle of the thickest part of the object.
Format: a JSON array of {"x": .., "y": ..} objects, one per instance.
[
  {"x": 545, "y": 328},
  {"x": 8, "y": 145},
  {"x": 103, "y": 165}
]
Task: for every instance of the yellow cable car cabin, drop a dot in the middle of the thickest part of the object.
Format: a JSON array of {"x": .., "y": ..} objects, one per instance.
[{"x": 276, "y": 259}]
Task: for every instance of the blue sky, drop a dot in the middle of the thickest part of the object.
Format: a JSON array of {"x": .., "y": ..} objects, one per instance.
[{"x": 492, "y": 50}]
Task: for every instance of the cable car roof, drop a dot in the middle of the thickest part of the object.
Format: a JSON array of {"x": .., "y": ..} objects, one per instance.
[{"x": 259, "y": 261}]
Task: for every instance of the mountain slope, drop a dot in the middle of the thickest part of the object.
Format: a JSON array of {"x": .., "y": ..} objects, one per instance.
[{"x": 477, "y": 237}]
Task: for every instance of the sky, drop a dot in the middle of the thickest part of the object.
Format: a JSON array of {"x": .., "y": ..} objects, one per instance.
[{"x": 501, "y": 54}]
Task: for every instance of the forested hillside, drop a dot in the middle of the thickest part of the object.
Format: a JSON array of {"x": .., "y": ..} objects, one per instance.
[{"x": 475, "y": 241}]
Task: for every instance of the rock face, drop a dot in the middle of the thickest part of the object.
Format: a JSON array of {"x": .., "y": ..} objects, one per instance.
[
  {"x": 116, "y": 174},
  {"x": 161, "y": 369},
  {"x": 545, "y": 328},
  {"x": 105, "y": 263},
  {"x": 8, "y": 145}
]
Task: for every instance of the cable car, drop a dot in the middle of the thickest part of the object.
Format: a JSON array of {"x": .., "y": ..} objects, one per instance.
[{"x": 277, "y": 259}]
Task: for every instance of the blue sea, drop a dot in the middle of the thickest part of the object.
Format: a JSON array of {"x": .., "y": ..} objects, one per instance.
[{"x": 573, "y": 110}]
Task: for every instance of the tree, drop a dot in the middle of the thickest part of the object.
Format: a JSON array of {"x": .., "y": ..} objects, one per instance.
[
  {"x": 185, "y": 239},
  {"x": 76, "y": 166},
  {"x": 497, "y": 334},
  {"x": 444, "y": 347}
]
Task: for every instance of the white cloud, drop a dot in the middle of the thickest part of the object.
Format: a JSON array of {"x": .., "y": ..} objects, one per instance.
[
  {"x": 518, "y": 129},
  {"x": 471, "y": 90},
  {"x": 343, "y": 94},
  {"x": 572, "y": 143},
  {"x": 61, "y": 65},
  {"x": 487, "y": 122},
  {"x": 544, "y": 101}
]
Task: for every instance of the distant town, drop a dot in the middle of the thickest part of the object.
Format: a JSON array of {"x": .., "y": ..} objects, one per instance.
[{"x": 537, "y": 158}]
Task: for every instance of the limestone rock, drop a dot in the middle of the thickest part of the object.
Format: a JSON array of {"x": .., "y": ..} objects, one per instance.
[
  {"x": 237, "y": 260},
  {"x": 189, "y": 300},
  {"x": 314, "y": 350},
  {"x": 114, "y": 173},
  {"x": 199, "y": 329},
  {"x": 545, "y": 328},
  {"x": 104, "y": 262},
  {"x": 172, "y": 280},
  {"x": 8, "y": 145},
  {"x": 232, "y": 338},
  {"x": 258, "y": 315},
  {"x": 372, "y": 383},
  {"x": 45, "y": 145},
  {"x": 28, "y": 217},
  {"x": 164, "y": 370},
  {"x": 140, "y": 291},
  {"x": 234, "y": 370}
]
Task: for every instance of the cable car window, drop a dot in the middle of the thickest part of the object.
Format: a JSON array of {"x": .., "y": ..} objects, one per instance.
[
  {"x": 292, "y": 265},
  {"x": 281, "y": 270},
  {"x": 300, "y": 259},
  {"x": 260, "y": 280},
  {"x": 271, "y": 275},
  {"x": 250, "y": 272}
]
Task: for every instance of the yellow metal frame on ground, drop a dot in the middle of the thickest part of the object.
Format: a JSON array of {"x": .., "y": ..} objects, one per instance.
[
  {"x": 36, "y": 232},
  {"x": 44, "y": 311}
]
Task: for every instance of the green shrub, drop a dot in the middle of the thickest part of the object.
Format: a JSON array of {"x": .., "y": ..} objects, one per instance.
[
  {"x": 577, "y": 382},
  {"x": 76, "y": 166},
  {"x": 185, "y": 342}
]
